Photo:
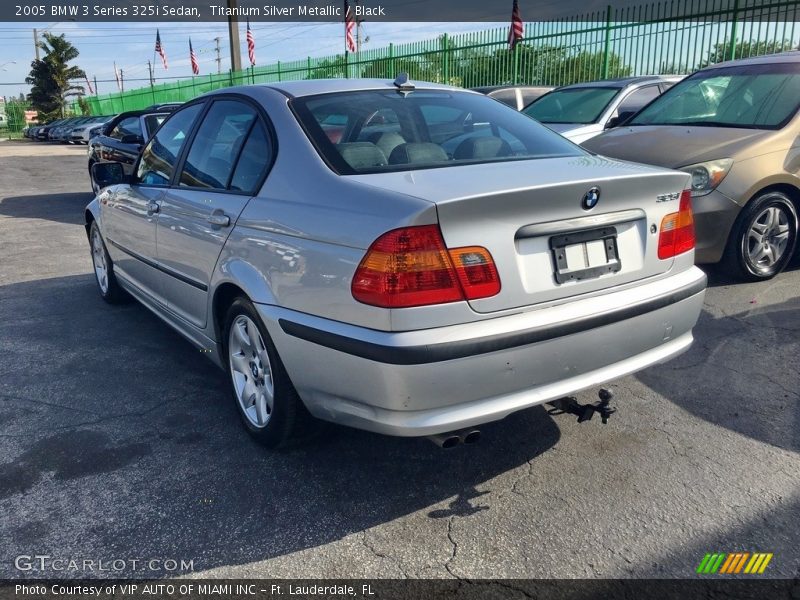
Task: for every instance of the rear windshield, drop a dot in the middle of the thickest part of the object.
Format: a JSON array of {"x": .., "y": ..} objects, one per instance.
[
  {"x": 761, "y": 96},
  {"x": 582, "y": 105},
  {"x": 378, "y": 130}
]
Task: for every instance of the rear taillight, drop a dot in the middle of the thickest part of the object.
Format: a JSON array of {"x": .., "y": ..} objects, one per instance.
[
  {"x": 677, "y": 229},
  {"x": 413, "y": 267}
]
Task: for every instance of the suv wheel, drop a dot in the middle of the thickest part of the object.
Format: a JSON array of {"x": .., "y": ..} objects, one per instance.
[{"x": 763, "y": 238}]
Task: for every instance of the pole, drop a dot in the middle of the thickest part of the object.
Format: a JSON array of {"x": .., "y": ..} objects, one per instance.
[
  {"x": 279, "y": 71},
  {"x": 607, "y": 45},
  {"x": 219, "y": 60},
  {"x": 445, "y": 61},
  {"x": 150, "y": 70},
  {"x": 732, "y": 51},
  {"x": 36, "y": 42},
  {"x": 391, "y": 61},
  {"x": 121, "y": 81},
  {"x": 233, "y": 36},
  {"x": 96, "y": 91}
]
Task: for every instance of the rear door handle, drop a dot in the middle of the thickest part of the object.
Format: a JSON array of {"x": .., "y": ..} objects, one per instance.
[
  {"x": 220, "y": 219},
  {"x": 152, "y": 207}
]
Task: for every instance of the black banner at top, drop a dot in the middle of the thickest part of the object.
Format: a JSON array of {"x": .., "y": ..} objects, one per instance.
[{"x": 389, "y": 10}]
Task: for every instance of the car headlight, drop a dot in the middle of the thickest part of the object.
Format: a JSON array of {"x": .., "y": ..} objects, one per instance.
[{"x": 706, "y": 176}]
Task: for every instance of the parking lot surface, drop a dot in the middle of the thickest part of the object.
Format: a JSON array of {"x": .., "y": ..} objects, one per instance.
[{"x": 120, "y": 441}]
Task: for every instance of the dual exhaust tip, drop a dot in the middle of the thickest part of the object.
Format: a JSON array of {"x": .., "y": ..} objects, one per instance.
[{"x": 451, "y": 439}]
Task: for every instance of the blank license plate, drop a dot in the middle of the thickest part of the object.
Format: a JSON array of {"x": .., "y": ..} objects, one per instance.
[{"x": 585, "y": 254}]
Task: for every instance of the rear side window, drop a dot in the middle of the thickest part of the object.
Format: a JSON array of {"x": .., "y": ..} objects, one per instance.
[
  {"x": 253, "y": 161},
  {"x": 215, "y": 148},
  {"x": 128, "y": 126},
  {"x": 637, "y": 99},
  {"x": 160, "y": 155},
  {"x": 421, "y": 129}
]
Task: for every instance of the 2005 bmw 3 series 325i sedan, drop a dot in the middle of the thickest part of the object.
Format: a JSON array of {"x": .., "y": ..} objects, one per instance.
[{"x": 411, "y": 259}]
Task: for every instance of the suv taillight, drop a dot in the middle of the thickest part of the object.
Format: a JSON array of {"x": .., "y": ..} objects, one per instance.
[
  {"x": 413, "y": 267},
  {"x": 677, "y": 229}
]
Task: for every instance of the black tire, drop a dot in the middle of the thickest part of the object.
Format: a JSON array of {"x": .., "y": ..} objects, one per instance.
[
  {"x": 95, "y": 187},
  {"x": 112, "y": 292},
  {"x": 738, "y": 260},
  {"x": 289, "y": 421}
]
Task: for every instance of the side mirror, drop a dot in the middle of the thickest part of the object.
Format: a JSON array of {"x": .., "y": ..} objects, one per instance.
[
  {"x": 612, "y": 122},
  {"x": 108, "y": 173},
  {"x": 132, "y": 138}
]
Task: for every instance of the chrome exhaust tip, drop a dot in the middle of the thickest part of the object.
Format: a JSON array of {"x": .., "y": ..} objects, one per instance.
[
  {"x": 445, "y": 440},
  {"x": 471, "y": 436}
]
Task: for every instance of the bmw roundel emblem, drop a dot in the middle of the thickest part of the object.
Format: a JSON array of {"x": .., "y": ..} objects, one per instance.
[{"x": 591, "y": 198}]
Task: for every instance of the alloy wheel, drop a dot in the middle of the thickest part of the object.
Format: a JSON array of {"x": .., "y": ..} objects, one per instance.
[
  {"x": 251, "y": 371},
  {"x": 768, "y": 237}
]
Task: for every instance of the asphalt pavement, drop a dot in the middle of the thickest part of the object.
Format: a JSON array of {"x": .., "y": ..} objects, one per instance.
[{"x": 120, "y": 442}]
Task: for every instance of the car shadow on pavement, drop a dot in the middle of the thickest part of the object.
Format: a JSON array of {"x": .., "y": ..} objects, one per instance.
[
  {"x": 116, "y": 427},
  {"x": 62, "y": 208},
  {"x": 737, "y": 381}
]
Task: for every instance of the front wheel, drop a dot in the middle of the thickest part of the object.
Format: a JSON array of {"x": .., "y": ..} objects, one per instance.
[
  {"x": 763, "y": 238},
  {"x": 267, "y": 402},
  {"x": 107, "y": 283}
]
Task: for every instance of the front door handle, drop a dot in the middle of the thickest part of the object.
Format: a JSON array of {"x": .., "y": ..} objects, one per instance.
[
  {"x": 220, "y": 219},
  {"x": 152, "y": 208}
]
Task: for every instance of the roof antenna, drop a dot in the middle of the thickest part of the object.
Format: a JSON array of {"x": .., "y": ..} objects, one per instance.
[{"x": 404, "y": 84}]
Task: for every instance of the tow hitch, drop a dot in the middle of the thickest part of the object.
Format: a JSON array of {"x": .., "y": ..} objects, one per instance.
[{"x": 585, "y": 412}]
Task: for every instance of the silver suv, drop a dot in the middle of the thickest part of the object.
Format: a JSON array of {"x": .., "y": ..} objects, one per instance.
[{"x": 412, "y": 259}]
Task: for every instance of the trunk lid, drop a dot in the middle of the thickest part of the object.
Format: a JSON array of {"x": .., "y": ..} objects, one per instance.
[{"x": 529, "y": 216}]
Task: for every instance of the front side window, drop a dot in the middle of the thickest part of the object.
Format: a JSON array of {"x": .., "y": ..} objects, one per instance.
[
  {"x": 421, "y": 129},
  {"x": 128, "y": 126},
  {"x": 582, "y": 105},
  {"x": 634, "y": 101},
  {"x": 760, "y": 96},
  {"x": 216, "y": 146},
  {"x": 160, "y": 155}
]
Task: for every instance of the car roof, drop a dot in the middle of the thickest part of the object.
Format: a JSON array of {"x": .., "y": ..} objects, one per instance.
[
  {"x": 311, "y": 87},
  {"x": 623, "y": 82},
  {"x": 487, "y": 89},
  {"x": 782, "y": 57}
]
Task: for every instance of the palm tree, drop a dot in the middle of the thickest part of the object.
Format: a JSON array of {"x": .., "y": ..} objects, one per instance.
[{"x": 51, "y": 75}]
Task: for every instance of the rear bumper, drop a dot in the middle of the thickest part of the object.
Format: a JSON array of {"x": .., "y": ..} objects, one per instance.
[{"x": 430, "y": 381}]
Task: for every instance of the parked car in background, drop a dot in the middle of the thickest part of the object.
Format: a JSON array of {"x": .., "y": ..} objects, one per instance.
[
  {"x": 80, "y": 133},
  {"x": 44, "y": 130},
  {"x": 62, "y": 132},
  {"x": 734, "y": 127},
  {"x": 426, "y": 290},
  {"x": 123, "y": 138},
  {"x": 583, "y": 110},
  {"x": 516, "y": 96}
]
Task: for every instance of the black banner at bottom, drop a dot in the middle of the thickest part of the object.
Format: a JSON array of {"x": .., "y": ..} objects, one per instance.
[{"x": 389, "y": 589}]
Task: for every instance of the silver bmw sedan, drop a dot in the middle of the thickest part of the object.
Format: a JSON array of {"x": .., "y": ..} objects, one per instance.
[{"x": 407, "y": 258}]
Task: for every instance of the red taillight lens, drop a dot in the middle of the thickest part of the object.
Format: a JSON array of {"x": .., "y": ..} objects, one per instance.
[
  {"x": 412, "y": 267},
  {"x": 677, "y": 229}
]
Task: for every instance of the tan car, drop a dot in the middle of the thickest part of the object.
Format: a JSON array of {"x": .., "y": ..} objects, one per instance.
[{"x": 735, "y": 128}]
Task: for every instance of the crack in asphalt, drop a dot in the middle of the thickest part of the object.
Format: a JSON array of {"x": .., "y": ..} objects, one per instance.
[
  {"x": 447, "y": 564},
  {"x": 379, "y": 554}
]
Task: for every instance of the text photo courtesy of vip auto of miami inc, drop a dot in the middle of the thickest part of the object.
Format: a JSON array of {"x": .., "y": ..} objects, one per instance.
[{"x": 399, "y": 299}]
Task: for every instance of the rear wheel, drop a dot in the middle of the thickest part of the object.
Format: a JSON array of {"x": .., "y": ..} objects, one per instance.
[
  {"x": 267, "y": 402},
  {"x": 763, "y": 238}
]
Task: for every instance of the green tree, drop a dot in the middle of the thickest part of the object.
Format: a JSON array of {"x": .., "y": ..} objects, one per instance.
[
  {"x": 721, "y": 52},
  {"x": 50, "y": 77},
  {"x": 83, "y": 103}
]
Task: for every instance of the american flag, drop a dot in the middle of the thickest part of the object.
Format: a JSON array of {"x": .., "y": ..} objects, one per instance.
[
  {"x": 251, "y": 45},
  {"x": 349, "y": 26},
  {"x": 160, "y": 50},
  {"x": 515, "y": 33},
  {"x": 193, "y": 58},
  {"x": 89, "y": 85}
]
